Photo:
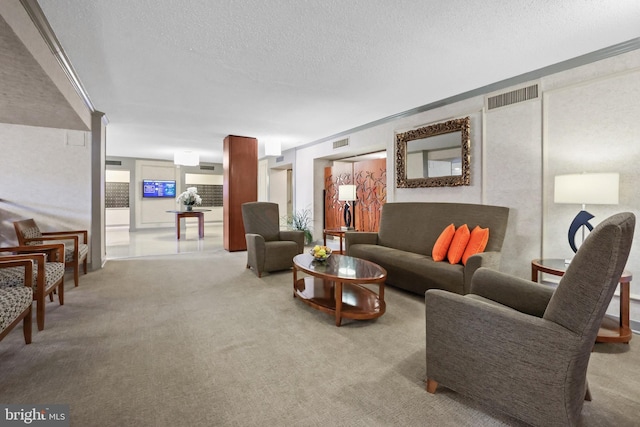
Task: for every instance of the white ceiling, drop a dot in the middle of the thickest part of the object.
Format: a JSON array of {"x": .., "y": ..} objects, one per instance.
[{"x": 182, "y": 74}]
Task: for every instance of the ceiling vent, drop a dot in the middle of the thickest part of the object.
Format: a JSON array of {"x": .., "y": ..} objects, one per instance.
[
  {"x": 205, "y": 167},
  {"x": 113, "y": 163},
  {"x": 340, "y": 143},
  {"x": 279, "y": 159},
  {"x": 513, "y": 97}
]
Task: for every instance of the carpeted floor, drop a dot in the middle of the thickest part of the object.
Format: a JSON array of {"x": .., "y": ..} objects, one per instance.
[{"x": 198, "y": 340}]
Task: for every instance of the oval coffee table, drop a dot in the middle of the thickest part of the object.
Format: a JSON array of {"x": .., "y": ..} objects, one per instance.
[{"x": 336, "y": 286}]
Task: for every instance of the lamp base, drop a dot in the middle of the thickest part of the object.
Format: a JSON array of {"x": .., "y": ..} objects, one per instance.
[{"x": 343, "y": 228}]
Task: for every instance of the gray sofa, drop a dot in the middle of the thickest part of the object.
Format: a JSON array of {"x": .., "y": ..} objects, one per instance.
[{"x": 407, "y": 234}]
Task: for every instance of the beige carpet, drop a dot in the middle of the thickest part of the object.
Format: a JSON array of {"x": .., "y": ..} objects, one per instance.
[{"x": 198, "y": 340}]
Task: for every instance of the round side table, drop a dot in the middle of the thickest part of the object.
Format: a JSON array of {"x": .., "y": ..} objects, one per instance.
[{"x": 610, "y": 330}]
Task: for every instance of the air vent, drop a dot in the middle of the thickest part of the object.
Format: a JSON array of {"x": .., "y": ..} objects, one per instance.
[
  {"x": 113, "y": 163},
  {"x": 279, "y": 159},
  {"x": 340, "y": 143},
  {"x": 207, "y": 167},
  {"x": 513, "y": 97}
]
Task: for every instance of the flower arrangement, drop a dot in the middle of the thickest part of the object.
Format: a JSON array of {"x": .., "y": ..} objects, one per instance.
[{"x": 189, "y": 198}]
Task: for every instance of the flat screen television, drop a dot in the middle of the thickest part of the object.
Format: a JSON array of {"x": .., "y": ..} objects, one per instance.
[{"x": 158, "y": 188}]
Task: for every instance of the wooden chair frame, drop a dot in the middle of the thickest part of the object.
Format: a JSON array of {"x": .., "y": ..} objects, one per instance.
[
  {"x": 25, "y": 316},
  {"x": 55, "y": 253},
  {"x": 73, "y": 235}
]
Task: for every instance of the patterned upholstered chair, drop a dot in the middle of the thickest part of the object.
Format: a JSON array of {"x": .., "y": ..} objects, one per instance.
[
  {"x": 48, "y": 273},
  {"x": 268, "y": 248},
  {"x": 521, "y": 347},
  {"x": 16, "y": 301},
  {"x": 76, "y": 243}
]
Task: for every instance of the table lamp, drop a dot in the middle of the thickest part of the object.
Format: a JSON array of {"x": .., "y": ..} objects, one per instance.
[
  {"x": 583, "y": 189},
  {"x": 346, "y": 194}
]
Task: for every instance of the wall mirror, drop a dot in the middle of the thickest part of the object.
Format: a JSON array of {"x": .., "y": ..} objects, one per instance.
[{"x": 434, "y": 156}]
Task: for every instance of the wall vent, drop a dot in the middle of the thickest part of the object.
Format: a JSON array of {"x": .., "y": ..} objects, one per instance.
[
  {"x": 279, "y": 159},
  {"x": 340, "y": 143},
  {"x": 207, "y": 167},
  {"x": 113, "y": 163},
  {"x": 513, "y": 97}
]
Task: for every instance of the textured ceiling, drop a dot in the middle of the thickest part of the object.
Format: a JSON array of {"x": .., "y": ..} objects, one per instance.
[{"x": 183, "y": 74}]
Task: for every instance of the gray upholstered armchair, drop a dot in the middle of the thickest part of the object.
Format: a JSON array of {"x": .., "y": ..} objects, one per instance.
[
  {"x": 518, "y": 345},
  {"x": 268, "y": 248}
]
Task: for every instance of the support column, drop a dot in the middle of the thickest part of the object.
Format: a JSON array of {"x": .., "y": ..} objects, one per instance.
[
  {"x": 98, "y": 157},
  {"x": 240, "y": 164}
]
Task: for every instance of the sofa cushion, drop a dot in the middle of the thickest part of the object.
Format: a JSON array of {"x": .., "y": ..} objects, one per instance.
[
  {"x": 458, "y": 244},
  {"x": 410, "y": 271},
  {"x": 477, "y": 242},
  {"x": 441, "y": 247}
]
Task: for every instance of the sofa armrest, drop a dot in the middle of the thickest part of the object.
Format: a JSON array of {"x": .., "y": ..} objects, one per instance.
[
  {"x": 295, "y": 236},
  {"x": 483, "y": 259},
  {"x": 359, "y": 237},
  {"x": 520, "y": 294}
]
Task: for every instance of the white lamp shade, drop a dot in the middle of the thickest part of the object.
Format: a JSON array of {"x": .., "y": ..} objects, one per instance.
[
  {"x": 186, "y": 158},
  {"x": 272, "y": 148},
  {"x": 587, "y": 189},
  {"x": 346, "y": 193}
]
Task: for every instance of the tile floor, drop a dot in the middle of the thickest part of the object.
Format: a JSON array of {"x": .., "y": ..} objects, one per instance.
[{"x": 120, "y": 243}]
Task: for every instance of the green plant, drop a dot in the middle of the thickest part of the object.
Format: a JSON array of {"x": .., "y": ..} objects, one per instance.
[{"x": 301, "y": 220}]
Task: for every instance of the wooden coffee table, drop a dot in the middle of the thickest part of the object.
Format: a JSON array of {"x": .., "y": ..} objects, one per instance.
[{"x": 337, "y": 286}]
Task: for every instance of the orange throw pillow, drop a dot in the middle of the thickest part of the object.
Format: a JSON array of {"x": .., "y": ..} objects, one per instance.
[
  {"x": 441, "y": 247},
  {"x": 458, "y": 244},
  {"x": 477, "y": 242}
]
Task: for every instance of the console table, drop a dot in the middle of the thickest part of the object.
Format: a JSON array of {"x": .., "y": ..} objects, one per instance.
[
  {"x": 196, "y": 213},
  {"x": 610, "y": 330}
]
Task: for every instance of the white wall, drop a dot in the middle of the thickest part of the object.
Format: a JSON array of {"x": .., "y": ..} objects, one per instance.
[
  {"x": 45, "y": 175},
  {"x": 151, "y": 212},
  {"x": 585, "y": 120}
]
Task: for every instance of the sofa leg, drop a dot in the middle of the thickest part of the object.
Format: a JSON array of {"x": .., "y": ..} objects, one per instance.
[{"x": 431, "y": 386}]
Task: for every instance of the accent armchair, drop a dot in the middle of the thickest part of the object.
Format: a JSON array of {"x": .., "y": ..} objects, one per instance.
[
  {"x": 48, "y": 273},
  {"x": 268, "y": 248},
  {"x": 520, "y": 346},
  {"x": 76, "y": 243},
  {"x": 16, "y": 302}
]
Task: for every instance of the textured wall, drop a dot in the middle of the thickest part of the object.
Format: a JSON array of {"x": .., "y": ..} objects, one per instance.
[
  {"x": 44, "y": 175},
  {"x": 585, "y": 120}
]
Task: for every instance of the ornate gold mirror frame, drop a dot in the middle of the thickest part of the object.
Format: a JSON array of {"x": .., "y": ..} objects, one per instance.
[{"x": 420, "y": 136}]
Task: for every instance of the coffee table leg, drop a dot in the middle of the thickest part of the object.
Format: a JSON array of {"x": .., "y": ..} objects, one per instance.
[
  {"x": 295, "y": 279},
  {"x": 338, "y": 297}
]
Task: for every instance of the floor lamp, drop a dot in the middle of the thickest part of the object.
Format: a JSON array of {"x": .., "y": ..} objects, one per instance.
[
  {"x": 585, "y": 189},
  {"x": 346, "y": 194}
]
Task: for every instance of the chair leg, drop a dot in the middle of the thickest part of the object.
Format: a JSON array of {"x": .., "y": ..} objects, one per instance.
[
  {"x": 431, "y": 386},
  {"x": 76, "y": 274},
  {"x": 61, "y": 292},
  {"x": 84, "y": 266},
  {"x": 26, "y": 327},
  {"x": 40, "y": 314}
]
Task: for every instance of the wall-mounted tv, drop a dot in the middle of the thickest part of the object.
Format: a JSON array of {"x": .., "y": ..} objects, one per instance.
[{"x": 158, "y": 188}]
